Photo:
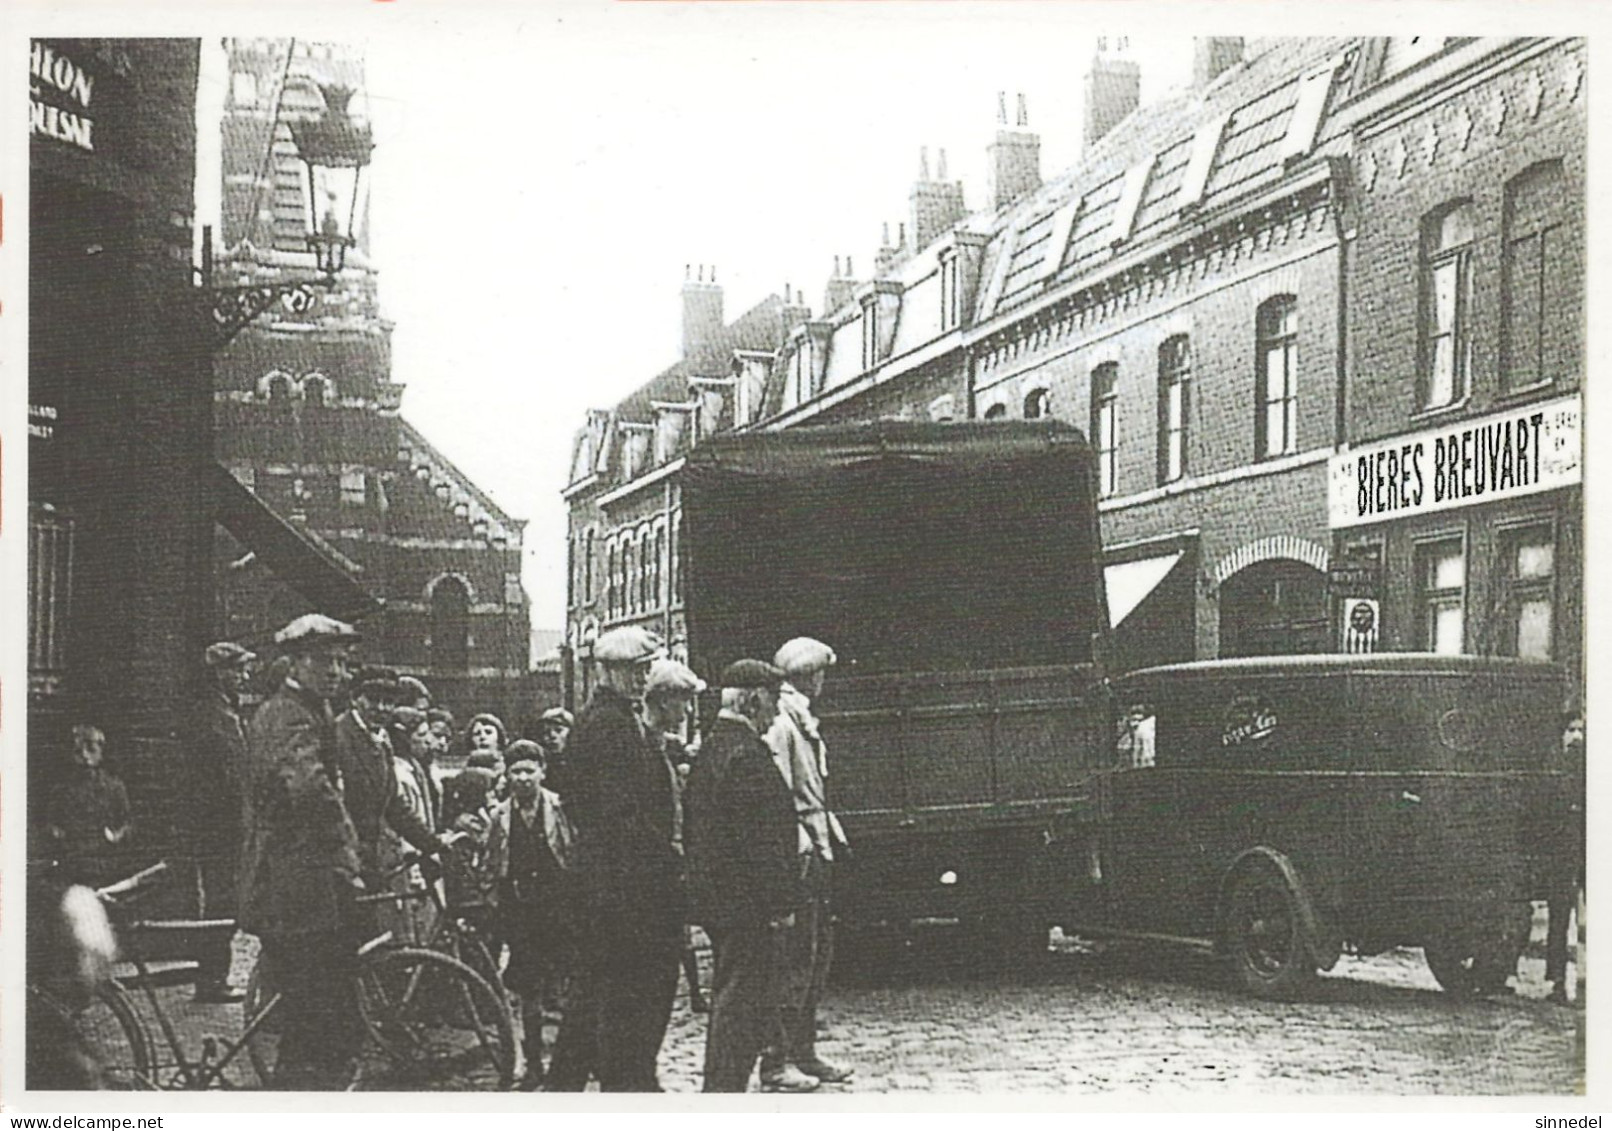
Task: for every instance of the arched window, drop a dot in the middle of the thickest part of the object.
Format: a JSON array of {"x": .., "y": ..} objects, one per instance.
[
  {"x": 1105, "y": 425},
  {"x": 450, "y": 625},
  {"x": 1037, "y": 403},
  {"x": 317, "y": 391},
  {"x": 1542, "y": 299},
  {"x": 1276, "y": 377},
  {"x": 1446, "y": 357},
  {"x": 1175, "y": 376},
  {"x": 277, "y": 388},
  {"x": 996, "y": 412}
]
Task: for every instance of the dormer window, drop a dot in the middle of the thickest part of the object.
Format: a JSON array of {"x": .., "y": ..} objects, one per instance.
[
  {"x": 870, "y": 332},
  {"x": 951, "y": 290},
  {"x": 1130, "y": 201}
]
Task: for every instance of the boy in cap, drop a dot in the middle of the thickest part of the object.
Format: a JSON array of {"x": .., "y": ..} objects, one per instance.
[
  {"x": 802, "y": 758},
  {"x": 300, "y": 868},
  {"x": 743, "y": 876},
  {"x": 528, "y": 856},
  {"x": 620, "y": 799},
  {"x": 218, "y": 763},
  {"x": 87, "y": 813}
]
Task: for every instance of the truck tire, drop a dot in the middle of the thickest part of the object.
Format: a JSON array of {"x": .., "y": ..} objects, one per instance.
[{"x": 1263, "y": 937}]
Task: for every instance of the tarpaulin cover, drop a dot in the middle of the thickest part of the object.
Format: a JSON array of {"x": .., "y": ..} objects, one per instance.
[{"x": 907, "y": 546}]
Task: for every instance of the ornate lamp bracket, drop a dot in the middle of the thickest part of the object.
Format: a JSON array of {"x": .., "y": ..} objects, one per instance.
[{"x": 231, "y": 309}]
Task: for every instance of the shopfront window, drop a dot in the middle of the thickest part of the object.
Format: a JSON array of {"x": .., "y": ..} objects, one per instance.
[{"x": 1441, "y": 587}]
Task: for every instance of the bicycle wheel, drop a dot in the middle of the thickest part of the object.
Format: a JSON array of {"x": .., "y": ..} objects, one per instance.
[
  {"x": 263, "y": 1046},
  {"x": 110, "y": 1031},
  {"x": 436, "y": 1019}
]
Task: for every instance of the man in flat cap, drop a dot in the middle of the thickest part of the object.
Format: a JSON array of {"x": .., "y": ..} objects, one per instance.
[
  {"x": 553, "y": 732},
  {"x": 300, "y": 867},
  {"x": 743, "y": 878},
  {"x": 620, "y": 798},
  {"x": 217, "y": 766},
  {"x": 802, "y": 759},
  {"x": 375, "y": 799},
  {"x": 669, "y": 697}
]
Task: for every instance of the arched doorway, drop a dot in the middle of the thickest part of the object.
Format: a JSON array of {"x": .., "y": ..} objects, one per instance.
[{"x": 1274, "y": 607}]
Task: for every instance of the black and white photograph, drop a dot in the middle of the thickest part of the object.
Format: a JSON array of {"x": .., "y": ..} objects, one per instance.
[{"x": 865, "y": 554}]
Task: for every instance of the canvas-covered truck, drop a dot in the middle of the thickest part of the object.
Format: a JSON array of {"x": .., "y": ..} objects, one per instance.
[{"x": 956, "y": 569}]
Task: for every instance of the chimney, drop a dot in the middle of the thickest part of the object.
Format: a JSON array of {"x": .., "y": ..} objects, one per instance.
[
  {"x": 937, "y": 205},
  {"x": 702, "y": 310},
  {"x": 1113, "y": 89},
  {"x": 1014, "y": 158},
  {"x": 841, "y": 287},
  {"x": 794, "y": 310},
  {"x": 1213, "y": 56},
  {"x": 890, "y": 254}
]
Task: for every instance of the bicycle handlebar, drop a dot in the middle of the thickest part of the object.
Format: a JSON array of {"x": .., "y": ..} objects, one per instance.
[{"x": 132, "y": 882}]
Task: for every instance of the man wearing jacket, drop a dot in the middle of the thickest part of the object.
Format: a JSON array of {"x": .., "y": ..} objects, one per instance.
[
  {"x": 218, "y": 752},
  {"x": 299, "y": 862},
  {"x": 808, "y": 946},
  {"x": 364, "y": 754},
  {"x": 619, "y": 795},
  {"x": 739, "y": 835}
]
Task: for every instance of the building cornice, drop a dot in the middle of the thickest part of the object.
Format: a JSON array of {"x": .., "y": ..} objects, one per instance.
[
  {"x": 645, "y": 480},
  {"x": 579, "y": 486}
]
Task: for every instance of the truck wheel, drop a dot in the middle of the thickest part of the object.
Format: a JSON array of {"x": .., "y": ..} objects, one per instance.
[
  {"x": 1469, "y": 968},
  {"x": 1262, "y": 936}
]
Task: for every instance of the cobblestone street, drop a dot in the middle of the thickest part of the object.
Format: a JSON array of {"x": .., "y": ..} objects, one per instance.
[
  {"x": 1129, "y": 1018},
  {"x": 1125, "y": 1017}
]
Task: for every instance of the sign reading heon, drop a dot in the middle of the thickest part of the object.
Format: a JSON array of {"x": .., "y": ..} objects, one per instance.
[{"x": 1522, "y": 451}]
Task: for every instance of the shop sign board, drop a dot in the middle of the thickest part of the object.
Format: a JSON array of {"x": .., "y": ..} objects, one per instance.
[{"x": 1505, "y": 455}]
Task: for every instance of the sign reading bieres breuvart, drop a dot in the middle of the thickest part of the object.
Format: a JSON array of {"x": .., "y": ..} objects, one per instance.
[
  {"x": 1532, "y": 448},
  {"x": 61, "y": 89}
]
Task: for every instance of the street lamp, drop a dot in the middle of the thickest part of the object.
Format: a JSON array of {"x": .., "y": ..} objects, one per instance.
[{"x": 334, "y": 151}]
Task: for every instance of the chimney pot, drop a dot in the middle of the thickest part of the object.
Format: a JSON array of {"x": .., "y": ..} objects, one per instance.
[
  {"x": 923, "y": 162},
  {"x": 1024, "y": 112},
  {"x": 1001, "y": 107},
  {"x": 1213, "y": 56},
  {"x": 940, "y": 168}
]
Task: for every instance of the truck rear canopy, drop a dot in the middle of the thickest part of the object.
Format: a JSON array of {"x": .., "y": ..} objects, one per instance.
[{"x": 907, "y": 546}]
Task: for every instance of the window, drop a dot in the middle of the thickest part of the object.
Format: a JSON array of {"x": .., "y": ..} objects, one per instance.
[
  {"x": 798, "y": 386},
  {"x": 450, "y": 625},
  {"x": 352, "y": 487},
  {"x": 676, "y": 562},
  {"x": 870, "y": 333},
  {"x": 513, "y": 593},
  {"x": 1526, "y": 601},
  {"x": 1104, "y": 425},
  {"x": 50, "y": 588},
  {"x": 660, "y": 557},
  {"x": 1537, "y": 324},
  {"x": 1175, "y": 374},
  {"x": 1037, "y": 403},
  {"x": 278, "y": 389},
  {"x": 996, "y": 412},
  {"x": 1441, "y": 592},
  {"x": 645, "y": 567},
  {"x": 587, "y": 567},
  {"x": 1277, "y": 377},
  {"x": 629, "y": 573},
  {"x": 610, "y": 580},
  {"x": 316, "y": 391},
  {"x": 243, "y": 89},
  {"x": 951, "y": 295},
  {"x": 1446, "y": 360}
]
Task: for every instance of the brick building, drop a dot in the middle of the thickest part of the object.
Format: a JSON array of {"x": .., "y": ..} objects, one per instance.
[
  {"x": 124, "y": 494},
  {"x": 1230, "y": 292},
  {"x": 309, "y": 418},
  {"x": 624, "y": 521},
  {"x": 1459, "y": 506}
]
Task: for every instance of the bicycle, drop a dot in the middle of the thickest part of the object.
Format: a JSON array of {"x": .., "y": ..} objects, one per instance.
[{"x": 425, "y": 1010}]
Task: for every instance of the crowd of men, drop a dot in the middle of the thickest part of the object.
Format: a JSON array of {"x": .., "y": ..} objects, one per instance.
[{"x": 584, "y": 856}]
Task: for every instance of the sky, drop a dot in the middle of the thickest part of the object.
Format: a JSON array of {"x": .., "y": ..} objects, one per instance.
[{"x": 542, "y": 177}]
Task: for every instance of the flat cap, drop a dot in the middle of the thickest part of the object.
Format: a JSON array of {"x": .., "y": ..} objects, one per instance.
[
  {"x": 628, "y": 644},
  {"x": 524, "y": 750},
  {"x": 668, "y": 677},
  {"x": 803, "y": 655},
  {"x": 413, "y": 688},
  {"x": 557, "y": 716},
  {"x": 311, "y": 630},
  {"x": 376, "y": 677},
  {"x": 227, "y": 654},
  {"x": 751, "y": 673}
]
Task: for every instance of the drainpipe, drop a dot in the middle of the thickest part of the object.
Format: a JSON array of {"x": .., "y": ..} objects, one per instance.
[{"x": 1340, "y": 198}]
